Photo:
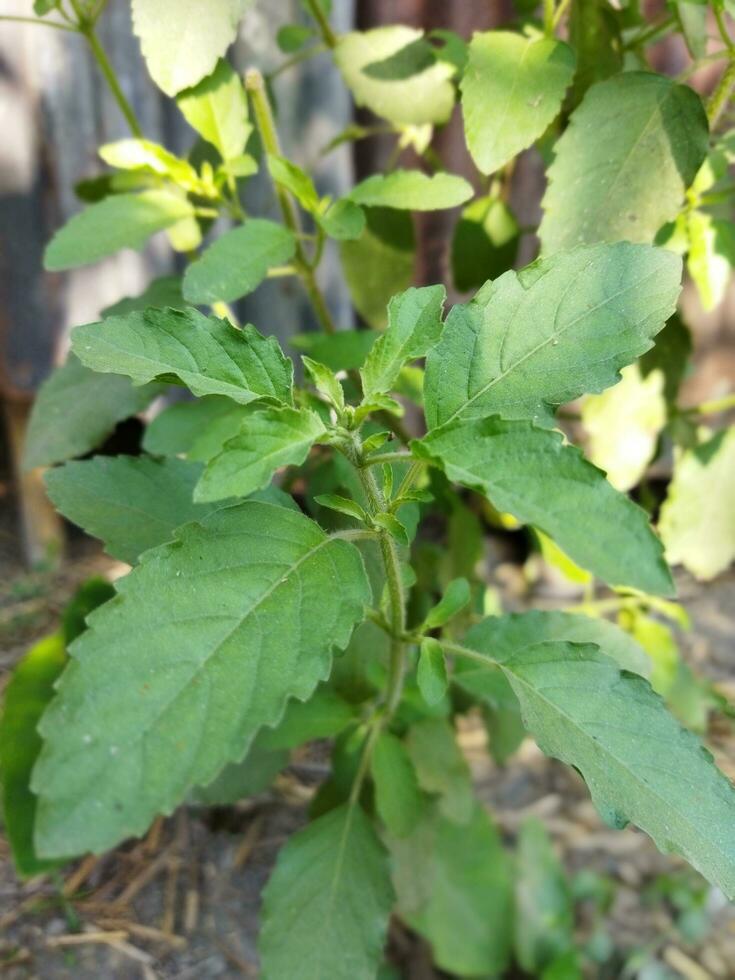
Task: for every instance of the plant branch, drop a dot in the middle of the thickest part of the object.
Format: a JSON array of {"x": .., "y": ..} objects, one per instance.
[
  {"x": 560, "y": 11},
  {"x": 88, "y": 31},
  {"x": 325, "y": 28},
  {"x": 721, "y": 95},
  {"x": 380, "y": 458},
  {"x": 549, "y": 18},
  {"x": 41, "y": 22},
  {"x": 722, "y": 28}
]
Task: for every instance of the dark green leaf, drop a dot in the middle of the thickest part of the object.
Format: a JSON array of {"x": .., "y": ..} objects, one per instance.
[
  {"x": 411, "y": 60},
  {"x": 456, "y": 597},
  {"x": 398, "y": 799},
  {"x": 441, "y": 768},
  {"x": 485, "y": 243},
  {"x": 345, "y": 350},
  {"x": 165, "y": 291},
  {"x": 324, "y": 715},
  {"x": 431, "y": 673},
  {"x": 238, "y": 780},
  {"x": 196, "y": 429}
]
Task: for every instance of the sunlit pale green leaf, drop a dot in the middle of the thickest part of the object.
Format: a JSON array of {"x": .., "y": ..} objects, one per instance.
[
  {"x": 564, "y": 326},
  {"x": 132, "y": 503},
  {"x": 327, "y": 904},
  {"x": 512, "y": 90},
  {"x": 268, "y": 440},
  {"x": 238, "y": 261},
  {"x": 208, "y": 355},
  {"x": 698, "y": 517},
  {"x": 426, "y": 97},
  {"x": 711, "y": 259},
  {"x": 623, "y": 425},
  {"x": 274, "y": 597},
  {"x": 412, "y": 190},
  {"x": 140, "y": 154},
  {"x": 117, "y": 222},
  {"x": 532, "y": 474},
  {"x": 218, "y": 110},
  {"x": 622, "y": 167},
  {"x": 76, "y": 409},
  {"x": 181, "y": 50}
]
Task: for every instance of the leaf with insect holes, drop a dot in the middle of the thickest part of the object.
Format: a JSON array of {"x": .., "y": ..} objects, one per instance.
[
  {"x": 328, "y": 901},
  {"x": 76, "y": 410},
  {"x": 117, "y": 222},
  {"x": 531, "y": 473},
  {"x": 512, "y": 90},
  {"x": 218, "y": 110},
  {"x": 623, "y": 164},
  {"x": 564, "y": 326},
  {"x": 208, "y": 355},
  {"x": 205, "y": 643},
  {"x": 269, "y": 439},
  {"x": 640, "y": 765},
  {"x": 181, "y": 50},
  {"x": 238, "y": 261},
  {"x": 414, "y": 327},
  {"x": 412, "y": 190}
]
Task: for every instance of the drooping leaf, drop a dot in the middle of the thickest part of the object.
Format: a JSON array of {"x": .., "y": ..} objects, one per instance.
[
  {"x": 398, "y": 799},
  {"x": 562, "y": 327},
  {"x": 195, "y": 429},
  {"x": 623, "y": 425},
  {"x": 238, "y": 261},
  {"x": 412, "y": 190},
  {"x": 268, "y": 440},
  {"x": 532, "y": 474},
  {"x": 117, "y": 222},
  {"x": 441, "y": 768},
  {"x": 426, "y": 97},
  {"x": 485, "y": 243},
  {"x": 453, "y": 883},
  {"x": 206, "y": 641},
  {"x": 208, "y": 355},
  {"x": 30, "y": 689},
  {"x": 639, "y": 764},
  {"x": 217, "y": 109},
  {"x": 76, "y": 409},
  {"x": 544, "y": 917},
  {"x": 181, "y": 50},
  {"x": 622, "y": 167},
  {"x": 431, "y": 673},
  {"x": 380, "y": 263},
  {"x": 327, "y": 904},
  {"x": 512, "y": 90},
  {"x": 165, "y": 291},
  {"x": 414, "y": 327},
  {"x": 698, "y": 518},
  {"x": 132, "y": 503}
]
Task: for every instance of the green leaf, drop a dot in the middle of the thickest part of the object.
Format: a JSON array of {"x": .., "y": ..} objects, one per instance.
[
  {"x": 181, "y": 50},
  {"x": 217, "y": 109},
  {"x": 408, "y": 61},
  {"x": 85, "y": 600},
  {"x": 485, "y": 243},
  {"x": 238, "y": 261},
  {"x": 412, "y": 190},
  {"x": 238, "y": 780},
  {"x": 697, "y": 521},
  {"x": 140, "y": 154},
  {"x": 624, "y": 163},
  {"x": 639, "y": 764},
  {"x": 414, "y": 327},
  {"x": 441, "y": 768},
  {"x": 562, "y": 327},
  {"x": 292, "y": 37},
  {"x": 456, "y": 596},
  {"x": 432, "y": 671},
  {"x": 76, "y": 409},
  {"x": 380, "y": 263},
  {"x": 295, "y": 180},
  {"x": 132, "y": 503},
  {"x": 671, "y": 355},
  {"x": 453, "y": 884},
  {"x": 531, "y": 473},
  {"x": 427, "y": 97},
  {"x": 507, "y": 635},
  {"x": 324, "y": 715},
  {"x": 345, "y": 350},
  {"x": 196, "y": 429},
  {"x": 623, "y": 425},
  {"x": 182, "y": 686},
  {"x": 342, "y": 505},
  {"x": 117, "y": 222},
  {"x": 30, "y": 689},
  {"x": 165, "y": 291},
  {"x": 327, "y": 904},
  {"x": 343, "y": 220},
  {"x": 325, "y": 382},
  {"x": 594, "y": 34},
  {"x": 398, "y": 799},
  {"x": 208, "y": 355},
  {"x": 512, "y": 90},
  {"x": 268, "y": 440},
  {"x": 544, "y": 919},
  {"x": 394, "y": 527},
  {"x": 711, "y": 259}
]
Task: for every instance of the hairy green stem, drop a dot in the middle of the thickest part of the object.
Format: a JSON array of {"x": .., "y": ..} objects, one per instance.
[
  {"x": 380, "y": 458},
  {"x": 721, "y": 95},
  {"x": 325, "y": 28}
]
